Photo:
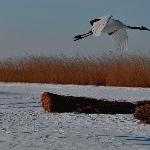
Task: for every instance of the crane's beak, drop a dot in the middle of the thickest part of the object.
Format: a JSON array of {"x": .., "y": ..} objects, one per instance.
[{"x": 144, "y": 28}]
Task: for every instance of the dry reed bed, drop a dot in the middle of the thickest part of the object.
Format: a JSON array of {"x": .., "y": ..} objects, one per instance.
[{"x": 131, "y": 71}]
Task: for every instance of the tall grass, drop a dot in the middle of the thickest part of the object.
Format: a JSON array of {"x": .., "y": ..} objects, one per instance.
[{"x": 117, "y": 71}]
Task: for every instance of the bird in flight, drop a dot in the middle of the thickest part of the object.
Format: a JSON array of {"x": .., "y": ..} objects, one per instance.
[{"x": 114, "y": 28}]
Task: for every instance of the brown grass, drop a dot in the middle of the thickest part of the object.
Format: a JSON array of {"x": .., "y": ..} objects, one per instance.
[{"x": 117, "y": 71}]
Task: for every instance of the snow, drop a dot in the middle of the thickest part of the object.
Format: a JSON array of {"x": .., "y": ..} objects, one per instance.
[{"x": 25, "y": 126}]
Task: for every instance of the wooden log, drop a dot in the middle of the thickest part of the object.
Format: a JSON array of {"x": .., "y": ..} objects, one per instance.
[
  {"x": 60, "y": 103},
  {"x": 142, "y": 113},
  {"x": 142, "y": 103}
]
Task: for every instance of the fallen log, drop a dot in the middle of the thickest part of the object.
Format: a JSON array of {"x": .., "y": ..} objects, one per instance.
[
  {"x": 60, "y": 103},
  {"x": 142, "y": 103},
  {"x": 142, "y": 113}
]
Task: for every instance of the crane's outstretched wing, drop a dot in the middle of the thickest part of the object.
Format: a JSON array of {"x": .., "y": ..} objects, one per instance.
[
  {"x": 98, "y": 26},
  {"x": 120, "y": 37}
]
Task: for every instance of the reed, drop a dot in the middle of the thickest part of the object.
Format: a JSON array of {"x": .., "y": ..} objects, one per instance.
[{"x": 130, "y": 71}]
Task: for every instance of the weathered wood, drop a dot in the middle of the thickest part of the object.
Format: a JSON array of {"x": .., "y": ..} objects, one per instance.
[
  {"x": 60, "y": 103},
  {"x": 142, "y": 113},
  {"x": 142, "y": 103}
]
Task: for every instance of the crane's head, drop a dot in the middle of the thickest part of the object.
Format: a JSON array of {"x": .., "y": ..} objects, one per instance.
[{"x": 144, "y": 28}]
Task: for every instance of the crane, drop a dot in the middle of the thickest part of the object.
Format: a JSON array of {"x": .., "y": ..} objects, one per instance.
[{"x": 114, "y": 28}]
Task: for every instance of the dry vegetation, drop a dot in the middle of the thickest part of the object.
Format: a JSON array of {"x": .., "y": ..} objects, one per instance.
[{"x": 117, "y": 71}]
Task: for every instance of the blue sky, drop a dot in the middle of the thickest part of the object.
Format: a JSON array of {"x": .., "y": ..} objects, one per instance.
[{"x": 47, "y": 27}]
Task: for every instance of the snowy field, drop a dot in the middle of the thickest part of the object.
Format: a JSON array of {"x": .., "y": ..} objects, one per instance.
[{"x": 25, "y": 126}]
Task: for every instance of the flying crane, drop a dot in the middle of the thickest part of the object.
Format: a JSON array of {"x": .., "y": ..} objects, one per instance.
[{"x": 114, "y": 28}]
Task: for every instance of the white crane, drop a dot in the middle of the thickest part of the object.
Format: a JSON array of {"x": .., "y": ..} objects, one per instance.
[{"x": 114, "y": 28}]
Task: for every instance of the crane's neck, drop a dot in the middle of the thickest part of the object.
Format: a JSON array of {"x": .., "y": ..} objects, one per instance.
[{"x": 139, "y": 28}]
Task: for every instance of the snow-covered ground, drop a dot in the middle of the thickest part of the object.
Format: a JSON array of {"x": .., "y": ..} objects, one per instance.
[{"x": 25, "y": 126}]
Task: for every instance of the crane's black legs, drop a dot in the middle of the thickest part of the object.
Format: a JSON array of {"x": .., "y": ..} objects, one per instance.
[
  {"x": 139, "y": 28},
  {"x": 81, "y": 36}
]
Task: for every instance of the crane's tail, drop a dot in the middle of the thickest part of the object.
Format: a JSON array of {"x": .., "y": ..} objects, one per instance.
[{"x": 81, "y": 36}]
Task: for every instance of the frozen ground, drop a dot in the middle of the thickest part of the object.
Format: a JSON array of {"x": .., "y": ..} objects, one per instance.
[{"x": 25, "y": 126}]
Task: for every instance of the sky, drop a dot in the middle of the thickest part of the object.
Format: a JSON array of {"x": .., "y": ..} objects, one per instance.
[{"x": 47, "y": 27}]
